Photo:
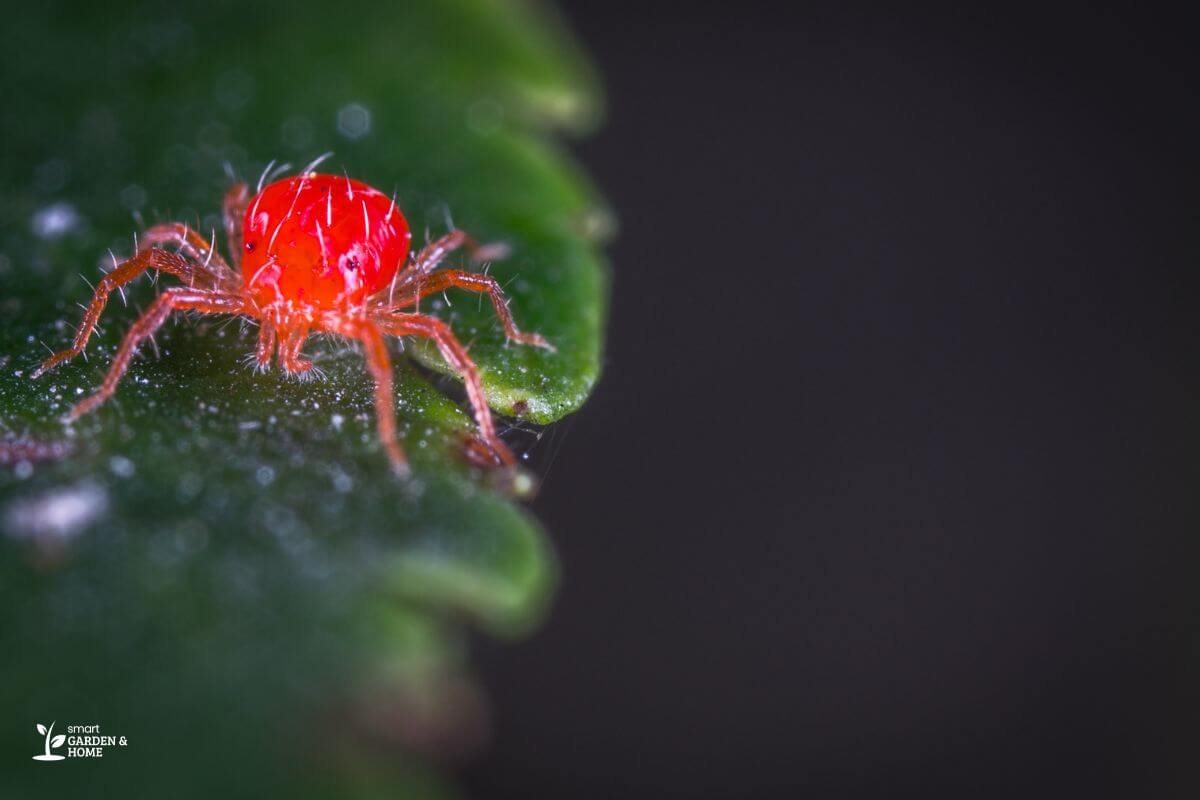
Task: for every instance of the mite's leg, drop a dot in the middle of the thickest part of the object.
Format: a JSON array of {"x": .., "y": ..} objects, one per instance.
[
  {"x": 161, "y": 260},
  {"x": 456, "y": 356},
  {"x": 436, "y": 251},
  {"x": 473, "y": 282},
  {"x": 213, "y": 272},
  {"x": 266, "y": 345},
  {"x": 380, "y": 367},
  {"x": 170, "y": 300},
  {"x": 289, "y": 351},
  {"x": 233, "y": 209}
]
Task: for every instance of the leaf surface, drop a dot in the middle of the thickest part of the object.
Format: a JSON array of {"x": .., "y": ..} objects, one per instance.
[{"x": 218, "y": 563}]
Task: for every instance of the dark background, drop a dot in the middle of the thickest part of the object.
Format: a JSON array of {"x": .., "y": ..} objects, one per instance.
[{"x": 887, "y": 488}]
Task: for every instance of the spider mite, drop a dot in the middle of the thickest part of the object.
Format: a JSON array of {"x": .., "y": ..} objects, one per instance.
[{"x": 311, "y": 253}]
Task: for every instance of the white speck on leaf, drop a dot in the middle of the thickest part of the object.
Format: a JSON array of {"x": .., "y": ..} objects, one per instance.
[
  {"x": 55, "y": 221},
  {"x": 121, "y": 466},
  {"x": 354, "y": 120},
  {"x": 57, "y": 516}
]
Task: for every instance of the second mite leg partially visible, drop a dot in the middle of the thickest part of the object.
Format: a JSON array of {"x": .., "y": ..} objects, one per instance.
[
  {"x": 232, "y": 209},
  {"x": 380, "y": 367},
  {"x": 266, "y": 345},
  {"x": 148, "y": 259},
  {"x": 435, "y": 252},
  {"x": 456, "y": 356},
  {"x": 212, "y": 271},
  {"x": 289, "y": 351},
  {"x": 174, "y": 299},
  {"x": 472, "y": 282}
]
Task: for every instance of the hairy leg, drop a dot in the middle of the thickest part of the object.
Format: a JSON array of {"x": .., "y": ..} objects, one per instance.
[
  {"x": 233, "y": 209},
  {"x": 379, "y": 364},
  {"x": 472, "y": 282},
  {"x": 435, "y": 252},
  {"x": 289, "y": 351},
  {"x": 160, "y": 260},
  {"x": 174, "y": 299},
  {"x": 212, "y": 270},
  {"x": 456, "y": 356},
  {"x": 266, "y": 345}
]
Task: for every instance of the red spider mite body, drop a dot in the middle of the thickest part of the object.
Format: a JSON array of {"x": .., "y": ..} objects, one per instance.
[
  {"x": 309, "y": 253},
  {"x": 320, "y": 242}
]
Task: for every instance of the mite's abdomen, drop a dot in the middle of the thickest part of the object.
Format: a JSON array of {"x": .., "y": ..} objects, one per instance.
[{"x": 320, "y": 242}]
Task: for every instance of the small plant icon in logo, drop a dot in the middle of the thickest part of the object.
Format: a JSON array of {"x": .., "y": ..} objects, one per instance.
[{"x": 55, "y": 742}]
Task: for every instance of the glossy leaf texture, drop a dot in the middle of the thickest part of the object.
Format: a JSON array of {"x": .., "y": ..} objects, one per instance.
[{"x": 218, "y": 564}]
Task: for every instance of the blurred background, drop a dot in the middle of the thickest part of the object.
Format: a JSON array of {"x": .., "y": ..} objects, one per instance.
[{"x": 889, "y": 486}]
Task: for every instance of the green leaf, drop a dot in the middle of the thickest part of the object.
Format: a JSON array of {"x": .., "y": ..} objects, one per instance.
[{"x": 218, "y": 564}]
